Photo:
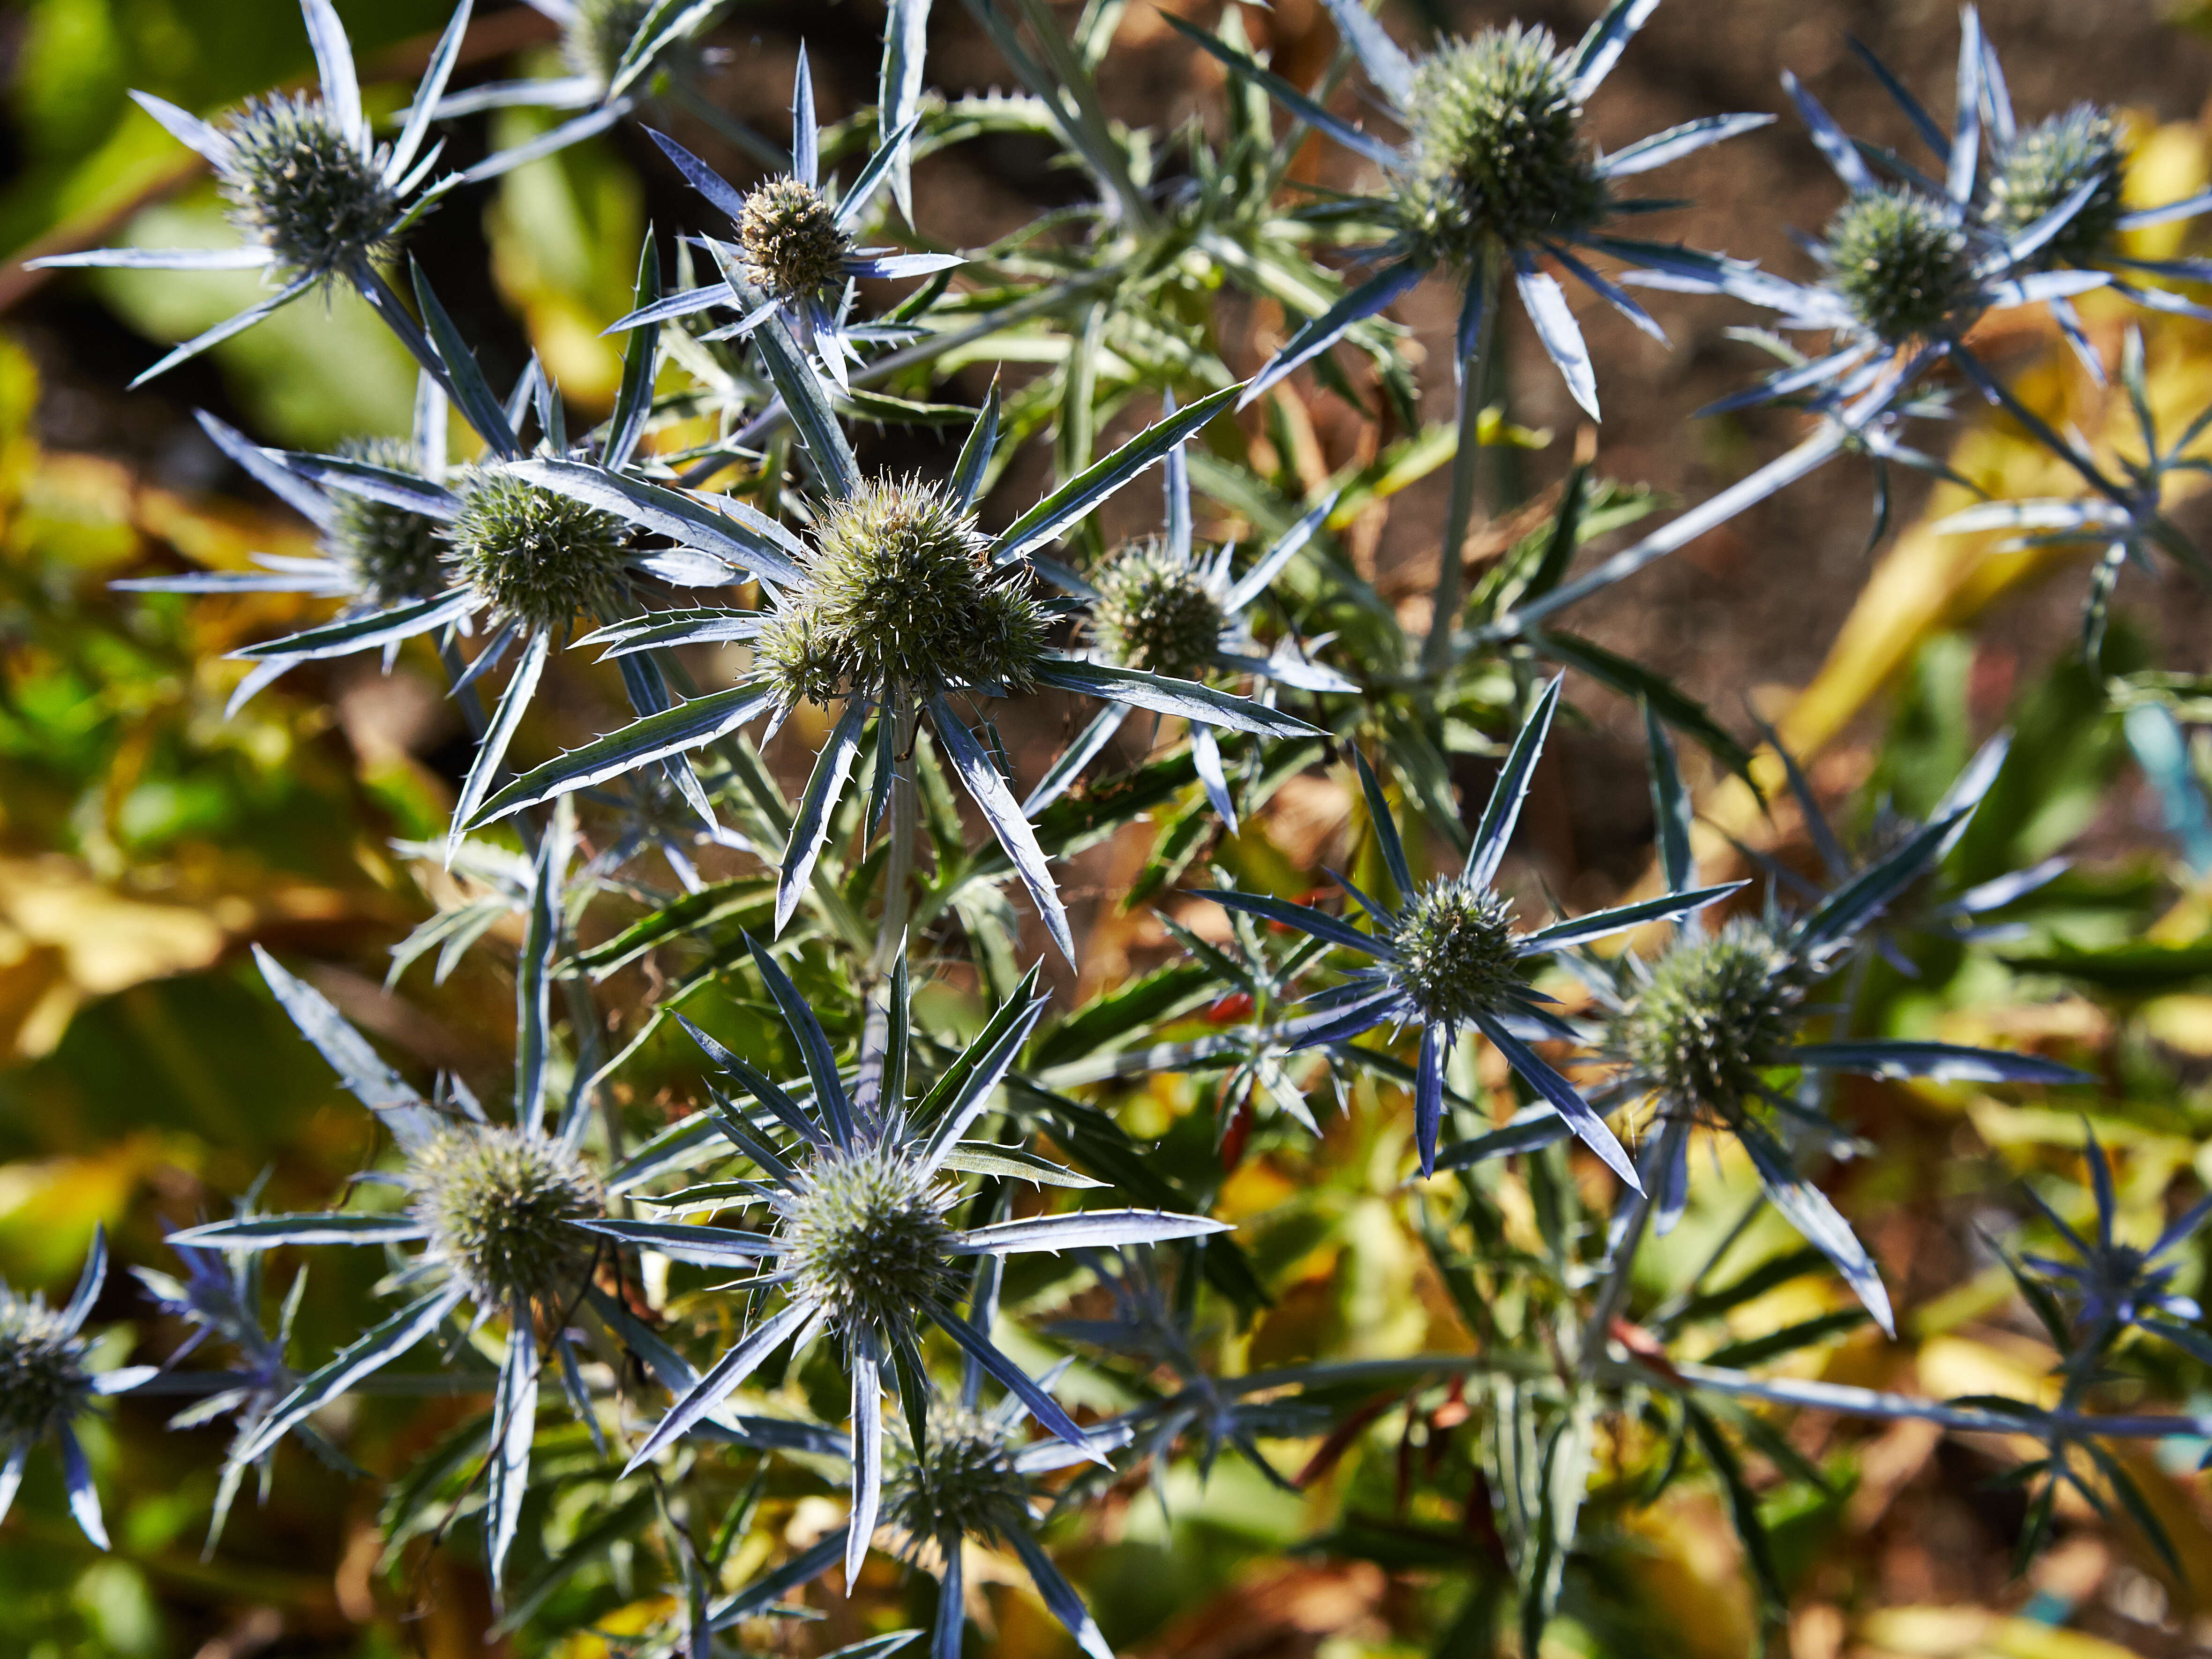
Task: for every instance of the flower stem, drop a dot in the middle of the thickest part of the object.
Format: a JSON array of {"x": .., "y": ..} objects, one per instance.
[
  {"x": 901, "y": 816},
  {"x": 1475, "y": 374},
  {"x": 1613, "y": 1292}
]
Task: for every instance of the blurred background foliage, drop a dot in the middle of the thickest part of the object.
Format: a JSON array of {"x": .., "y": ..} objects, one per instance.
[{"x": 146, "y": 838}]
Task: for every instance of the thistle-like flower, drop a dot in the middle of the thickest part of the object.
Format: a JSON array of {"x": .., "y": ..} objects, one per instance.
[
  {"x": 862, "y": 1242},
  {"x": 896, "y": 603},
  {"x": 45, "y": 1384},
  {"x": 795, "y": 252},
  {"x": 377, "y": 553},
  {"x": 1160, "y": 607},
  {"x": 1714, "y": 1028},
  {"x": 1447, "y": 957},
  {"x": 494, "y": 1209},
  {"x": 1497, "y": 175},
  {"x": 317, "y": 199},
  {"x": 2112, "y": 1286}
]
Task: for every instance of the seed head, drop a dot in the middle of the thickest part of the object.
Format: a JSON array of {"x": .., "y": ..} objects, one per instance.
[
  {"x": 963, "y": 1482},
  {"x": 867, "y": 1237},
  {"x": 598, "y": 33},
  {"x": 1899, "y": 262},
  {"x": 1718, "y": 1010},
  {"x": 536, "y": 557},
  {"x": 901, "y": 596},
  {"x": 1503, "y": 158},
  {"x": 1157, "y": 612},
  {"x": 394, "y": 554},
  {"x": 500, "y": 1206},
  {"x": 42, "y": 1376},
  {"x": 2047, "y": 163},
  {"x": 1456, "y": 955},
  {"x": 791, "y": 239},
  {"x": 300, "y": 187}
]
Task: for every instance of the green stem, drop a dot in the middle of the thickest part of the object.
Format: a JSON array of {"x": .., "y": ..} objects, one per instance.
[
  {"x": 1613, "y": 1292},
  {"x": 902, "y": 814},
  {"x": 1475, "y": 383}
]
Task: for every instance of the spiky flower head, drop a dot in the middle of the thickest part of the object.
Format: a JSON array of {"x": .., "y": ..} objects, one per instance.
[
  {"x": 597, "y": 34},
  {"x": 2047, "y": 163},
  {"x": 1900, "y": 261},
  {"x": 43, "y": 1380},
  {"x": 500, "y": 1205},
  {"x": 535, "y": 557},
  {"x": 1455, "y": 951},
  {"x": 961, "y": 1482},
  {"x": 394, "y": 554},
  {"x": 1716, "y": 1011},
  {"x": 300, "y": 186},
  {"x": 867, "y": 1239},
  {"x": 901, "y": 596},
  {"x": 1503, "y": 159},
  {"x": 791, "y": 241},
  {"x": 1156, "y": 611}
]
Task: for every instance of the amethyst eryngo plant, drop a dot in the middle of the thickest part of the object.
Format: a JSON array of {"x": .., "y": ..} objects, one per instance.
[
  {"x": 794, "y": 250},
  {"x": 880, "y": 1253},
  {"x": 316, "y": 199},
  {"x": 48, "y": 1380},
  {"x": 494, "y": 1210},
  {"x": 862, "y": 1238},
  {"x": 1448, "y": 959}
]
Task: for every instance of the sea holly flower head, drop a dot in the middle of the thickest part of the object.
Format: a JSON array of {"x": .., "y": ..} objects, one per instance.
[
  {"x": 1157, "y": 611},
  {"x": 1715, "y": 1011},
  {"x": 532, "y": 556},
  {"x": 899, "y": 598},
  {"x": 1503, "y": 162},
  {"x": 2042, "y": 166},
  {"x": 46, "y": 1384},
  {"x": 789, "y": 239},
  {"x": 303, "y": 187},
  {"x": 498, "y": 1206},
  {"x": 1901, "y": 262},
  {"x": 495, "y": 1210},
  {"x": 796, "y": 251},
  {"x": 395, "y": 553},
  {"x": 961, "y": 1482},
  {"x": 868, "y": 1238},
  {"x": 597, "y": 32}
]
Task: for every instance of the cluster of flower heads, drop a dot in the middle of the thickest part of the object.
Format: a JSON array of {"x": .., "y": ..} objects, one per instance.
[{"x": 871, "y": 1212}]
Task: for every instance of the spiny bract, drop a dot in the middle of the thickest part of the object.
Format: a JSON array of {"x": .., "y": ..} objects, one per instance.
[
  {"x": 42, "y": 1376},
  {"x": 500, "y": 1206},
  {"x": 1455, "y": 951},
  {"x": 867, "y": 1237},
  {"x": 792, "y": 242},
  {"x": 302, "y": 188},
  {"x": 1901, "y": 262},
  {"x": 395, "y": 555},
  {"x": 901, "y": 597},
  {"x": 535, "y": 557},
  {"x": 963, "y": 1482},
  {"x": 1502, "y": 156},
  {"x": 2048, "y": 162},
  {"x": 1718, "y": 1010},
  {"x": 1155, "y": 611}
]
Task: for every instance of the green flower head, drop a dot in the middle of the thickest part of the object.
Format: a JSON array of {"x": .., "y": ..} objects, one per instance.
[
  {"x": 43, "y": 1381},
  {"x": 536, "y": 558},
  {"x": 1717, "y": 1009},
  {"x": 394, "y": 554},
  {"x": 867, "y": 1237},
  {"x": 900, "y": 597},
  {"x": 1900, "y": 261},
  {"x": 1157, "y": 612},
  {"x": 499, "y": 1206},
  {"x": 792, "y": 242},
  {"x": 302, "y": 188},
  {"x": 2047, "y": 163}
]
